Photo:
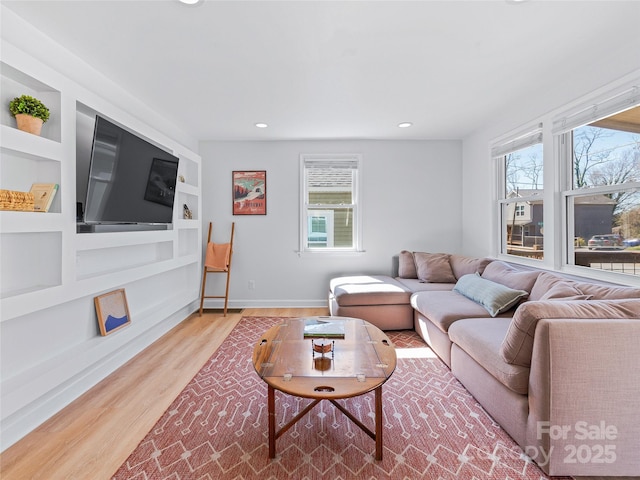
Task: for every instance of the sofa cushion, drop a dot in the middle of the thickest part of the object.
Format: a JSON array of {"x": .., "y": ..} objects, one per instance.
[
  {"x": 369, "y": 290},
  {"x": 564, "y": 291},
  {"x": 501, "y": 272},
  {"x": 462, "y": 265},
  {"x": 549, "y": 286},
  {"x": 416, "y": 285},
  {"x": 481, "y": 338},
  {"x": 444, "y": 308},
  {"x": 517, "y": 346},
  {"x": 433, "y": 267},
  {"x": 406, "y": 265},
  {"x": 495, "y": 297},
  {"x": 607, "y": 292}
]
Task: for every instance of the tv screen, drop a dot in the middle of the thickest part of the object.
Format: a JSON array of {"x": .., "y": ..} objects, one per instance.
[{"x": 130, "y": 179}]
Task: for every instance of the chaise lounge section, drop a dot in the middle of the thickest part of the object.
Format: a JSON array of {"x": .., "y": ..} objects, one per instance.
[{"x": 551, "y": 358}]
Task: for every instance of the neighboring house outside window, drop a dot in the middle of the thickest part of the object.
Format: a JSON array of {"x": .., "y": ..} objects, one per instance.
[{"x": 330, "y": 213}]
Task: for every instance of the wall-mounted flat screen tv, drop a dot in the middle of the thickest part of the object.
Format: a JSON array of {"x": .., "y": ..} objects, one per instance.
[{"x": 131, "y": 181}]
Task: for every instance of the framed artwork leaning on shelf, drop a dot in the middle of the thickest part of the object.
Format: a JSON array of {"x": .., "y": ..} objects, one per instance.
[
  {"x": 43, "y": 194},
  {"x": 250, "y": 192},
  {"x": 112, "y": 311}
]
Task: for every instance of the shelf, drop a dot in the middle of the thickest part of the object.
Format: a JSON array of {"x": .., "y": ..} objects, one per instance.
[
  {"x": 191, "y": 201},
  {"x": 27, "y": 222},
  {"x": 186, "y": 189},
  {"x": 188, "y": 242},
  {"x": 97, "y": 241},
  {"x": 19, "y": 171},
  {"x": 27, "y": 144},
  {"x": 30, "y": 262},
  {"x": 183, "y": 223},
  {"x": 94, "y": 263},
  {"x": 29, "y": 301},
  {"x": 14, "y": 83},
  {"x": 190, "y": 171}
]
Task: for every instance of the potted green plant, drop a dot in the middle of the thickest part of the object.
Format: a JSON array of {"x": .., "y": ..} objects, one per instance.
[{"x": 30, "y": 113}]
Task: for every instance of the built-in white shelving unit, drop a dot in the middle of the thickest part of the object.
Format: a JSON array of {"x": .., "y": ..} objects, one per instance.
[
  {"x": 29, "y": 239},
  {"x": 50, "y": 274},
  {"x": 32, "y": 242}
]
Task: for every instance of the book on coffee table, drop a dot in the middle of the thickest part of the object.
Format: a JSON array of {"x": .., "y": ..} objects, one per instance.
[{"x": 321, "y": 328}]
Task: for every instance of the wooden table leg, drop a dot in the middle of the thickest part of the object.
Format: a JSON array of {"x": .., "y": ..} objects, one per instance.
[
  {"x": 271, "y": 408},
  {"x": 379, "y": 423}
]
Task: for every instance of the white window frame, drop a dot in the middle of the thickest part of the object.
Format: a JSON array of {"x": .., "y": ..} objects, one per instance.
[
  {"x": 309, "y": 160},
  {"x": 605, "y": 105},
  {"x": 511, "y": 143}
]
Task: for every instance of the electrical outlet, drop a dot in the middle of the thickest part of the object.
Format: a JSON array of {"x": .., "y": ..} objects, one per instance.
[{"x": 252, "y": 284}]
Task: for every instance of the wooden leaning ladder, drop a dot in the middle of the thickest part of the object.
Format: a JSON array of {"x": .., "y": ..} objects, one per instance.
[{"x": 217, "y": 260}]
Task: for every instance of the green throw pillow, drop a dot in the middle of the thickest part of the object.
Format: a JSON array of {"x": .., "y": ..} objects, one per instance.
[{"x": 496, "y": 298}]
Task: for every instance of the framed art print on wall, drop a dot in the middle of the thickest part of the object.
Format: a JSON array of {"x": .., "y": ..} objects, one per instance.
[
  {"x": 112, "y": 311},
  {"x": 249, "y": 192}
]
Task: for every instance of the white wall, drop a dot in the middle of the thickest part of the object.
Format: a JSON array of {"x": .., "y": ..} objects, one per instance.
[{"x": 411, "y": 200}]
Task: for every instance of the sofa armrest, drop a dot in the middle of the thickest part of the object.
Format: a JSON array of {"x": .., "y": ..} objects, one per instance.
[{"x": 584, "y": 397}]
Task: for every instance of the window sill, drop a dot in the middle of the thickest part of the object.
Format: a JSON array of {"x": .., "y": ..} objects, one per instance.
[{"x": 328, "y": 252}]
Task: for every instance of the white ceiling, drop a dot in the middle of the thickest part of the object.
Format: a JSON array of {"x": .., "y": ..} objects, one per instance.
[{"x": 337, "y": 69}]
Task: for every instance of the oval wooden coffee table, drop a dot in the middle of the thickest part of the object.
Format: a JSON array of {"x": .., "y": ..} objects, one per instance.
[{"x": 360, "y": 361}]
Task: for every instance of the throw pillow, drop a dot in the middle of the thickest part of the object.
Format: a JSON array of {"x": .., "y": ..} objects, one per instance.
[
  {"x": 544, "y": 282},
  {"x": 608, "y": 292},
  {"x": 517, "y": 346},
  {"x": 505, "y": 274},
  {"x": 463, "y": 265},
  {"x": 433, "y": 267},
  {"x": 406, "y": 265},
  {"x": 494, "y": 297},
  {"x": 564, "y": 291}
]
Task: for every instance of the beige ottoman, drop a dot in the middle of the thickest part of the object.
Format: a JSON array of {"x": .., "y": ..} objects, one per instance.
[{"x": 378, "y": 299}]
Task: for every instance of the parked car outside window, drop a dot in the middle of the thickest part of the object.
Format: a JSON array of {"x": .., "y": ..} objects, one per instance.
[{"x": 603, "y": 242}]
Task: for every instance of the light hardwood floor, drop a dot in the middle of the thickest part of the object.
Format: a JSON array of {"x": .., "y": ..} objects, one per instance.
[{"x": 95, "y": 434}]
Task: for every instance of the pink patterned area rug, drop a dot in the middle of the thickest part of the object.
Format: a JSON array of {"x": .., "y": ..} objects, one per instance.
[{"x": 217, "y": 427}]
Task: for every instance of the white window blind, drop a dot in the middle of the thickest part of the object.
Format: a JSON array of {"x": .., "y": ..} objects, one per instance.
[
  {"x": 329, "y": 162},
  {"x": 518, "y": 141},
  {"x": 588, "y": 113}
]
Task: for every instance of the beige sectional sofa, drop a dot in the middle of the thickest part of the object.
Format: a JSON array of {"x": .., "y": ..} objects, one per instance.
[{"x": 554, "y": 360}]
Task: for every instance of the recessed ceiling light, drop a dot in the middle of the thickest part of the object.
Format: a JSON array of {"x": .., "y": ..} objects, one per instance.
[
  {"x": 261, "y": 125},
  {"x": 405, "y": 124},
  {"x": 190, "y": 2}
]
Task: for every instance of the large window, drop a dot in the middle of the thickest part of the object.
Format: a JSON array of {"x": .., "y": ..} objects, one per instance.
[
  {"x": 330, "y": 203},
  {"x": 603, "y": 193},
  {"x": 587, "y": 188},
  {"x": 521, "y": 187}
]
